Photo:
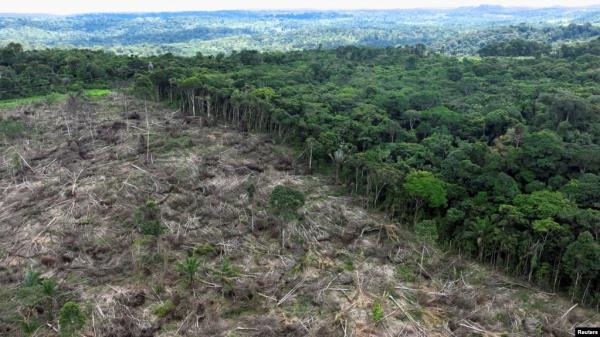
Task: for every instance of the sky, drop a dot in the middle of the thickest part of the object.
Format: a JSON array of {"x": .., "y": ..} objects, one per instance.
[{"x": 89, "y": 6}]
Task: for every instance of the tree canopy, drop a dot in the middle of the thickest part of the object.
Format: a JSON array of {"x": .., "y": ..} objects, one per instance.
[{"x": 500, "y": 155}]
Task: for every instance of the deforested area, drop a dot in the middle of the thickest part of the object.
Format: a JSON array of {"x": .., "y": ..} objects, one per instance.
[{"x": 145, "y": 222}]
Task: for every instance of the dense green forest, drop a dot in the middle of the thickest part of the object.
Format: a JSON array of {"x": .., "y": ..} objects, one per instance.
[
  {"x": 496, "y": 158},
  {"x": 458, "y": 31}
]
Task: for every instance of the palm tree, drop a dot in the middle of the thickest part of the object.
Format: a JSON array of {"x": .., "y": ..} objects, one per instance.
[
  {"x": 338, "y": 158},
  {"x": 480, "y": 231},
  {"x": 188, "y": 268}
]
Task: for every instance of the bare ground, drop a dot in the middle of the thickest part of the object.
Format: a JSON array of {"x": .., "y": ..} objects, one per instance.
[{"x": 71, "y": 185}]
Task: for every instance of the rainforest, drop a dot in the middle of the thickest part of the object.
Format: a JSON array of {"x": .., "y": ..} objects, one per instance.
[
  {"x": 307, "y": 188},
  {"x": 499, "y": 157}
]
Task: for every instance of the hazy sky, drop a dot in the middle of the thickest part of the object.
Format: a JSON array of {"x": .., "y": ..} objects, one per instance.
[{"x": 82, "y": 6}]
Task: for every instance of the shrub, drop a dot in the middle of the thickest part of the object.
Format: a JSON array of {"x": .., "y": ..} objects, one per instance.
[
  {"x": 147, "y": 218},
  {"x": 285, "y": 201},
  {"x": 35, "y": 293},
  {"x": 226, "y": 275},
  {"x": 229, "y": 270},
  {"x": 426, "y": 230},
  {"x": 405, "y": 273},
  {"x": 31, "y": 279},
  {"x": 151, "y": 227},
  {"x": 151, "y": 259},
  {"x": 70, "y": 319},
  {"x": 11, "y": 128},
  {"x": 204, "y": 249},
  {"x": 164, "y": 309},
  {"x": 49, "y": 288},
  {"x": 251, "y": 190},
  {"x": 30, "y": 293},
  {"x": 348, "y": 264},
  {"x": 29, "y": 326},
  {"x": 377, "y": 312},
  {"x": 188, "y": 269}
]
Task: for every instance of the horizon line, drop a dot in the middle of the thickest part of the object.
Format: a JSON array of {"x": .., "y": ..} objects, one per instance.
[{"x": 311, "y": 9}]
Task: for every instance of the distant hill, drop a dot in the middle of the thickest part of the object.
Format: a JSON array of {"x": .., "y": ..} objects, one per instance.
[{"x": 459, "y": 31}]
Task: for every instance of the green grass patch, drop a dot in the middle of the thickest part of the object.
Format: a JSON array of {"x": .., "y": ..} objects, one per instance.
[
  {"x": 54, "y": 97},
  {"x": 17, "y": 102},
  {"x": 162, "y": 310},
  {"x": 97, "y": 93},
  {"x": 348, "y": 264},
  {"x": 405, "y": 273}
]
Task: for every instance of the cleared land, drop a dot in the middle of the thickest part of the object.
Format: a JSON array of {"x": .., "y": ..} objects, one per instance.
[{"x": 75, "y": 173}]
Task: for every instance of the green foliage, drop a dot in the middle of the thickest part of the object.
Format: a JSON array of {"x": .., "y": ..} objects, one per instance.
[
  {"x": 17, "y": 102},
  {"x": 228, "y": 269},
  {"x": 97, "y": 93},
  {"x": 213, "y": 33},
  {"x": 405, "y": 273},
  {"x": 70, "y": 319},
  {"x": 204, "y": 249},
  {"x": 583, "y": 256},
  {"x": 585, "y": 190},
  {"x": 226, "y": 274},
  {"x": 149, "y": 260},
  {"x": 49, "y": 288},
  {"x": 500, "y": 151},
  {"x": 377, "y": 311},
  {"x": 265, "y": 93},
  {"x": 251, "y": 190},
  {"x": 147, "y": 218},
  {"x": 11, "y": 128},
  {"x": 582, "y": 262},
  {"x": 35, "y": 292},
  {"x": 142, "y": 86},
  {"x": 505, "y": 187},
  {"x": 426, "y": 230},
  {"x": 424, "y": 100},
  {"x": 542, "y": 153},
  {"x": 348, "y": 264},
  {"x": 544, "y": 273},
  {"x": 164, "y": 309},
  {"x": 29, "y": 326},
  {"x": 285, "y": 201},
  {"x": 31, "y": 279},
  {"x": 425, "y": 186},
  {"x": 188, "y": 269},
  {"x": 545, "y": 225},
  {"x": 516, "y": 47},
  {"x": 542, "y": 204}
]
